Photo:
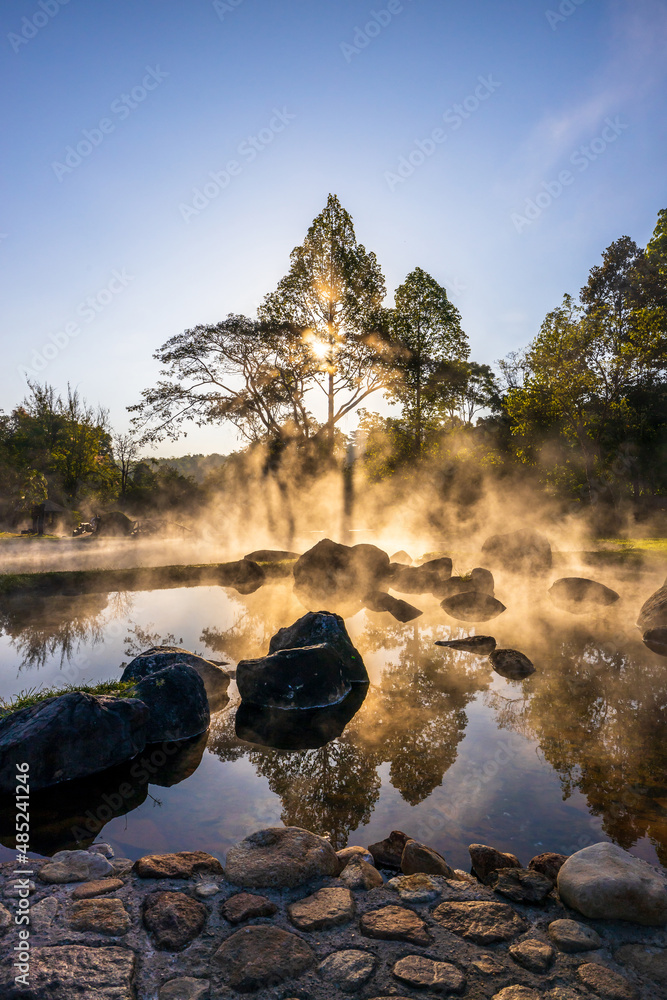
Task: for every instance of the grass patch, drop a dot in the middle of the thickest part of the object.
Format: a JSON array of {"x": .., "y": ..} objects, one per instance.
[
  {"x": 33, "y": 696},
  {"x": 639, "y": 544}
]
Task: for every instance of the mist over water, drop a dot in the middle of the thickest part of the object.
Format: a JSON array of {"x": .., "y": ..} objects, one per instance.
[{"x": 442, "y": 746}]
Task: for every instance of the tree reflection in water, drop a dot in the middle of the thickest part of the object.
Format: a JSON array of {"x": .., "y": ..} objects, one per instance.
[
  {"x": 414, "y": 720},
  {"x": 56, "y": 626},
  {"x": 599, "y": 715}
]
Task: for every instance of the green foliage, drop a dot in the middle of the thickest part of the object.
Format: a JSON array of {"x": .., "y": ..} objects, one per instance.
[{"x": 33, "y": 696}]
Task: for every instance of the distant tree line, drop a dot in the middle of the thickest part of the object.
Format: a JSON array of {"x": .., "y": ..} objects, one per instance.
[{"x": 582, "y": 410}]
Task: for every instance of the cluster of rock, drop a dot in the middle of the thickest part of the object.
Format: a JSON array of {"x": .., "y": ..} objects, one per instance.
[
  {"x": 509, "y": 663},
  {"x": 73, "y": 735},
  {"x": 289, "y": 917}
]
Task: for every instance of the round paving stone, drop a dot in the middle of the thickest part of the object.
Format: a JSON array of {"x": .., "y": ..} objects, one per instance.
[
  {"x": 607, "y": 984},
  {"x": 262, "y": 956},
  {"x": 43, "y": 914},
  {"x": 280, "y": 857},
  {"x": 324, "y": 909},
  {"x": 358, "y": 874},
  {"x": 517, "y": 993},
  {"x": 532, "y": 954},
  {"x": 651, "y": 962},
  {"x": 395, "y": 923},
  {"x": 417, "y": 888},
  {"x": 246, "y": 906},
  {"x": 570, "y": 936},
  {"x": 348, "y": 970},
  {"x": 173, "y": 919},
  {"x": 483, "y": 923},
  {"x": 488, "y": 965},
  {"x": 424, "y": 973}
]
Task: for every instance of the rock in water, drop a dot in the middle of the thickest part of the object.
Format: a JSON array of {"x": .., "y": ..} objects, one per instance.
[
  {"x": 215, "y": 678},
  {"x": 580, "y": 596},
  {"x": 472, "y": 607},
  {"x": 605, "y": 882},
  {"x": 482, "y": 579},
  {"x": 424, "y": 579},
  {"x": 402, "y": 557},
  {"x": 418, "y": 858},
  {"x": 315, "y": 628},
  {"x": 656, "y": 640},
  {"x": 70, "y": 736},
  {"x": 486, "y": 860},
  {"x": 511, "y": 663},
  {"x": 243, "y": 575},
  {"x": 401, "y": 610},
  {"x": 177, "y": 702},
  {"x": 482, "y": 645},
  {"x": 307, "y": 729},
  {"x": 387, "y": 853},
  {"x": 523, "y": 551},
  {"x": 309, "y": 677},
  {"x": 280, "y": 858},
  {"x": 330, "y": 568},
  {"x": 653, "y": 612}
]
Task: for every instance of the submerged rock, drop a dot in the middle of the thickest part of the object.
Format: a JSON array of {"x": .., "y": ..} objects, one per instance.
[
  {"x": 319, "y": 627},
  {"x": 401, "y": 610},
  {"x": 280, "y": 857},
  {"x": 70, "y": 736},
  {"x": 307, "y": 677},
  {"x": 511, "y": 663},
  {"x": 523, "y": 551},
  {"x": 473, "y": 606},
  {"x": 578, "y": 595},
  {"x": 604, "y": 882},
  {"x": 482, "y": 645},
  {"x": 215, "y": 678}
]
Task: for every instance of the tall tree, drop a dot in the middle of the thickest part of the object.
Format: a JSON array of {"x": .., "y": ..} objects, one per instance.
[
  {"x": 430, "y": 347},
  {"x": 333, "y": 294}
]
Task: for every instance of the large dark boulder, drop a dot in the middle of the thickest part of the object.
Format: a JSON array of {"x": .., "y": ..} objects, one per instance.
[
  {"x": 215, "y": 678},
  {"x": 177, "y": 702},
  {"x": 330, "y": 569},
  {"x": 653, "y": 612},
  {"x": 580, "y": 596},
  {"x": 523, "y": 551},
  {"x": 472, "y": 607},
  {"x": 323, "y": 627},
  {"x": 380, "y": 601},
  {"x": 306, "y": 677},
  {"x": 70, "y": 736}
]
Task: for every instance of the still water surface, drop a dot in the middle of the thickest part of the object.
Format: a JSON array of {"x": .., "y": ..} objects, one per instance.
[{"x": 442, "y": 747}]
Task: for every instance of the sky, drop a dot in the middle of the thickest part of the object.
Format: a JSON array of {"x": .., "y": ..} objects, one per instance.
[{"x": 161, "y": 158}]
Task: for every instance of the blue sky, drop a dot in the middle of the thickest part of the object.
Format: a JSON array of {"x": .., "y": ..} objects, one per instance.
[{"x": 106, "y": 251}]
